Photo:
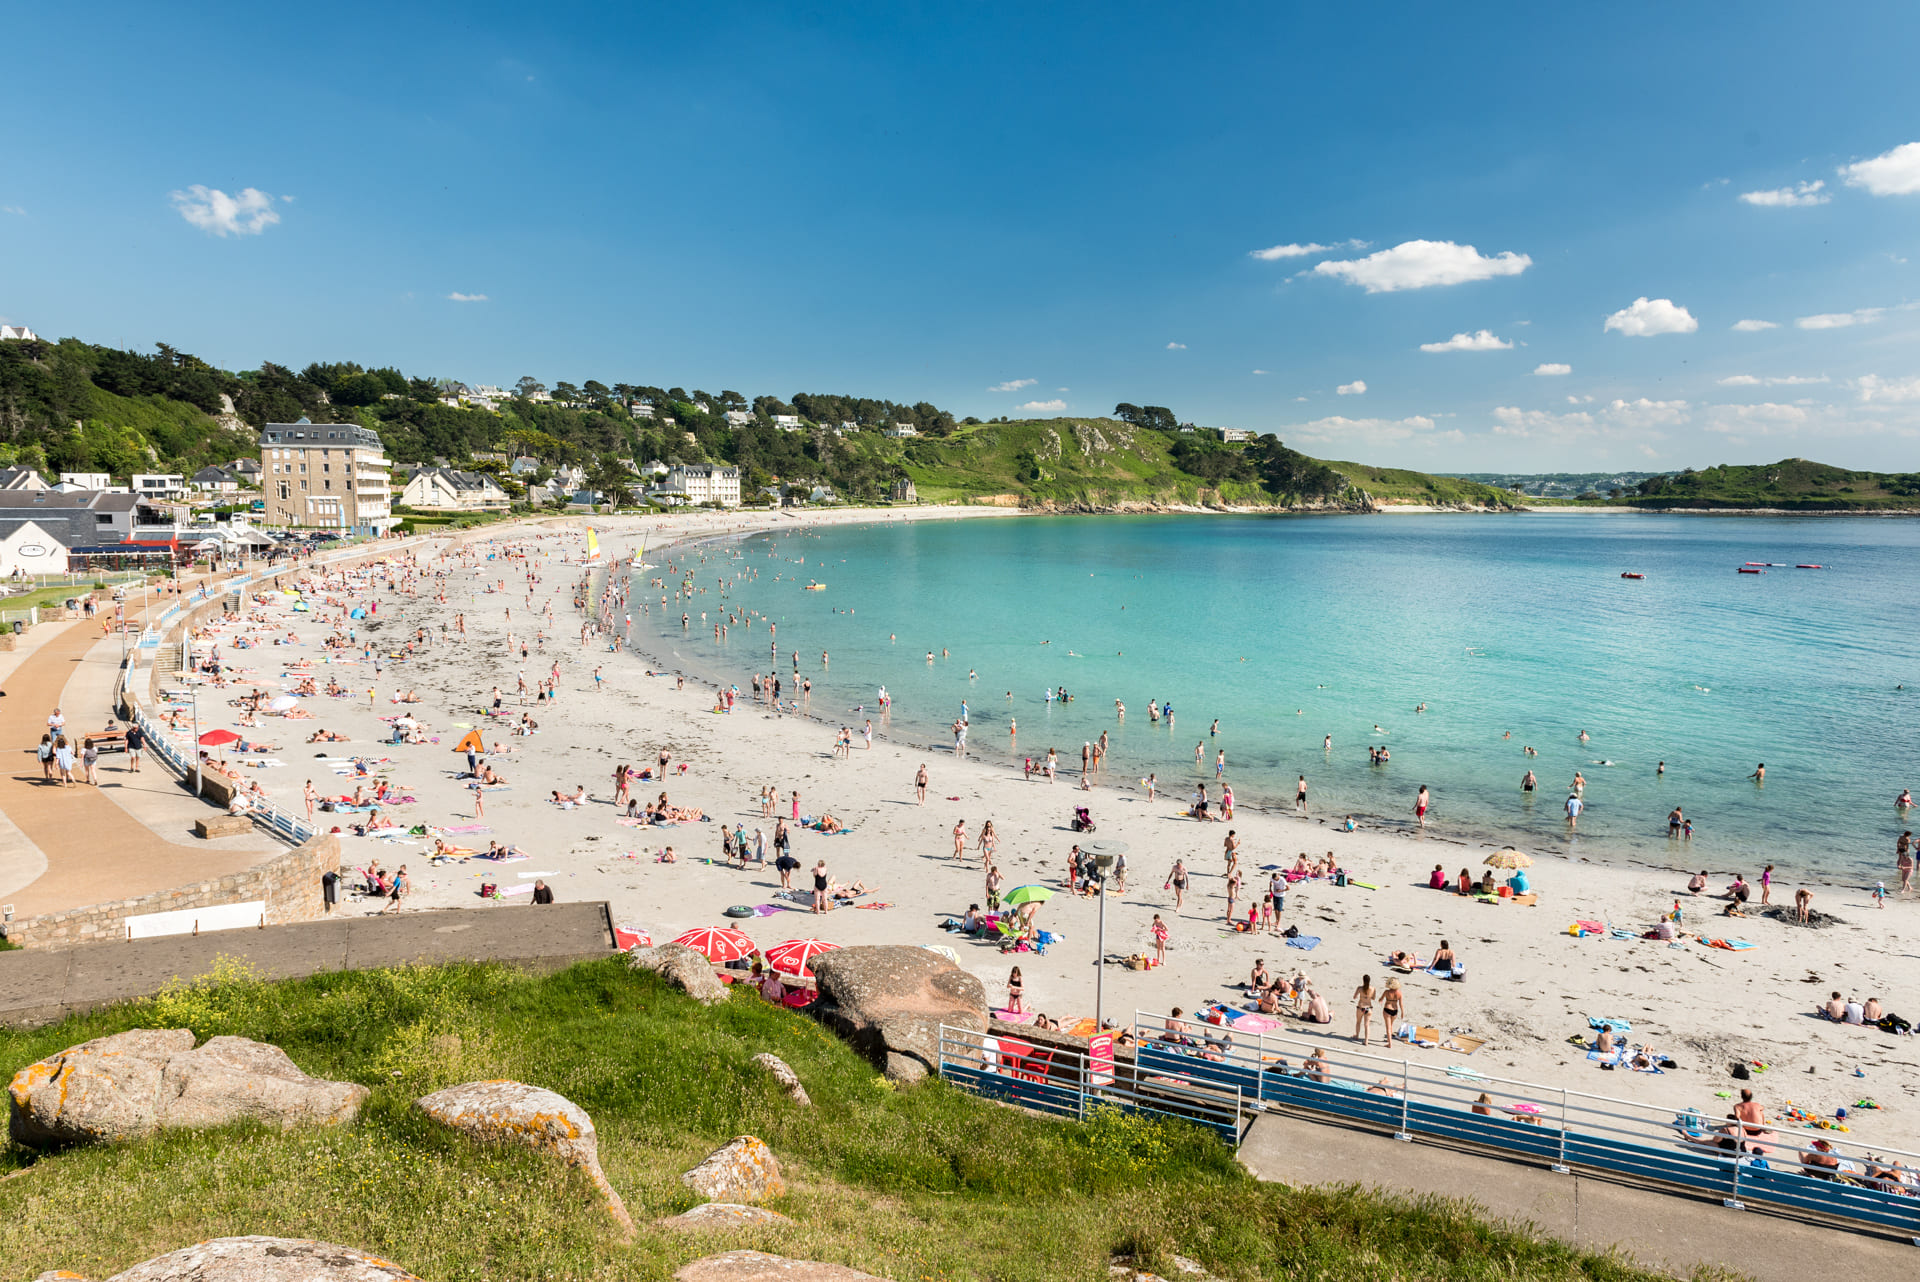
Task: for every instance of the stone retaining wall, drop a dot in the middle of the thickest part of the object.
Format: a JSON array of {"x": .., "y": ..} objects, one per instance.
[{"x": 289, "y": 883}]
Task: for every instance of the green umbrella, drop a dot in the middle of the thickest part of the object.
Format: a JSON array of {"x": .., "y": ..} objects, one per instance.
[{"x": 1028, "y": 895}]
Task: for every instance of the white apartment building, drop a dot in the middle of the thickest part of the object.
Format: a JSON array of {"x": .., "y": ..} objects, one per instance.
[
  {"x": 704, "y": 483},
  {"x": 329, "y": 476},
  {"x": 159, "y": 485},
  {"x": 87, "y": 480}
]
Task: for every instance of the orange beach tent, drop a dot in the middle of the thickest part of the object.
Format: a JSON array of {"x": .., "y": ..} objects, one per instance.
[{"x": 471, "y": 743}]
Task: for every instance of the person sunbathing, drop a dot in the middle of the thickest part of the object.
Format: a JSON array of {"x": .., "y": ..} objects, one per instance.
[
  {"x": 1300, "y": 866},
  {"x": 1260, "y": 978},
  {"x": 441, "y": 850},
  {"x": 1270, "y": 999},
  {"x": 377, "y": 821},
  {"x": 1318, "y": 1012},
  {"x": 1316, "y": 1066},
  {"x": 1403, "y": 961},
  {"x": 1444, "y": 960},
  {"x": 1697, "y": 882},
  {"x": 579, "y": 795},
  {"x": 827, "y": 823},
  {"x": 487, "y": 775},
  {"x": 1465, "y": 884}
]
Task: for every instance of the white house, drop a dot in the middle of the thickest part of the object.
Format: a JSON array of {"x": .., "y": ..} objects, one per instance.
[
  {"x": 739, "y": 418},
  {"x": 525, "y": 465},
  {"x": 215, "y": 480},
  {"x": 87, "y": 480},
  {"x": 899, "y": 430},
  {"x": 27, "y": 549},
  {"x": 703, "y": 483},
  {"x": 643, "y": 409},
  {"x": 159, "y": 485},
  {"x": 446, "y": 489},
  {"x": 22, "y": 478},
  {"x": 20, "y": 332},
  {"x": 1231, "y": 434},
  {"x": 787, "y": 422},
  {"x": 849, "y": 427}
]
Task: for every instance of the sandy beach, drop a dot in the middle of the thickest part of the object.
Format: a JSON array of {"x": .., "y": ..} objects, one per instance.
[{"x": 1530, "y": 986}]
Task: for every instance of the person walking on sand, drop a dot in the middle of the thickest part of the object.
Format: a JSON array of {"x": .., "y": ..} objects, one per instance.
[
  {"x": 820, "y": 886},
  {"x": 1152, "y": 781},
  {"x": 988, "y": 840},
  {"x": 1300, "y": 796},
  {"x": 960, "y": 839},
  {"x": 920, "y": 785},
  {"x": 994, "y": 881},
  {"x": 1159, "y": 933},
  {"x": 1016, "y": 993},
  {"x": 1766, "y": 885},
  {"x": 1393, "y": 1006},
  {"x": 1903, "y": 859},
  {"x": 311, "y": 797},
  {"x": 1420, "y": 804},
  {"x": 1177, "y": 882},
  {"x": 1363, "y": 1010}
]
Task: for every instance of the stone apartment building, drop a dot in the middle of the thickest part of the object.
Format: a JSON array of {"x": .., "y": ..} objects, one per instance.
[{"x": 325, "y": 476}]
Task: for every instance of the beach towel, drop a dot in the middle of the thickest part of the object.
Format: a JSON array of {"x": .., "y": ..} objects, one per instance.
[
  {"x": 467, "y": 828},
  {"x": 504, "y": 891},
  {"x": 1617, "y": 1025},
  {"x": 870, "y": 905},
  {"x": 1731, "y": 945},
  {"x": 1305, "y": 943},
  {"x": 1249, "y": 1022}
]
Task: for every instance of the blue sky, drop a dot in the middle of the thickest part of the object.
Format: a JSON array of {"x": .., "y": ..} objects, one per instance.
[{"x": 1064, "y": 202}]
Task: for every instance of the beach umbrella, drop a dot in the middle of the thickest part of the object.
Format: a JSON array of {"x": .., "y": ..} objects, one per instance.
[
  {"x": 795, "y": 956},
  {"x": 282, "y": 703},
  {"x": 1027, "y": 895},
  {"x": 718, "y": 944},
  {"x": 214, "y": 738},
  {"x": 1509, "y": 859}
]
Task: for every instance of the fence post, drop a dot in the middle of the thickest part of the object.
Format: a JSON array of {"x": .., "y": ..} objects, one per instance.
[
  {"x": 1560, "y": 1167},
  {"x": 1734, "y": 1203},
  {"x": 1260, "y": 1066},
  {"x": 1406, "y": 1080}
]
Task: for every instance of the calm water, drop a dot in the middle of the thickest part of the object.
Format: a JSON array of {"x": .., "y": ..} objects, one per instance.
[{"x": 1288, "y": 630}]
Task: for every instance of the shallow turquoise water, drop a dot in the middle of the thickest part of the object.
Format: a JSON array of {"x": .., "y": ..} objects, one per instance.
[{"x": 1290, "y": 629}]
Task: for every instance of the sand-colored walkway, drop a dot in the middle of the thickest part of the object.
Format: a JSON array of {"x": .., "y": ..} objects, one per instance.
[{"x": 94, "y": 850}]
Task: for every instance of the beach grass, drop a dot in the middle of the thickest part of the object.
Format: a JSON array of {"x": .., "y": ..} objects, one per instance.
[{"x": 906, "y": 1184}]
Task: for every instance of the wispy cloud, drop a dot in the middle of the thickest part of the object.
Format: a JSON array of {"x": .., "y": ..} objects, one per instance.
[
  {"x": 13, "y": 209},
  {"x": 1276, "y": 252},
  {"x": 1891, "y": 173},
  {"x": 1013, "y": 385},
  {"x": 1341, "y": 431},
  {"x": 1789, "y": 197},
  {"x": 1482, "y": 341},
  {"x": 458, "y": 297},
  {"x": 1176, "y": 347},
  {"x": 1646, "y": 317},
  {"x": 1259, "y": 371},
  {"x": 1874, "y": 388},
  {"x": 1551, "y": 370},
  {"x": 1044, "y": 405},
  {"x": 1419, "y": 264},
  {"x": 1756, "y": 380},
  {"x": 1358, "y": 387},
  {"x": 246, "y": 214},
  {"x": 1754, "y": 326},
  {"x": 1840, "y": 320}
]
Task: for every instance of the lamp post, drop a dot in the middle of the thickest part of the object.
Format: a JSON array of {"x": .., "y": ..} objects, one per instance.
[{"x": 1104, "y": 852}]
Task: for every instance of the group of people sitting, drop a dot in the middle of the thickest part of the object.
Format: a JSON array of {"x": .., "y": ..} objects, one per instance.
[
  {"x": 1277, "y": 995},
  {"x": 1853, "y": 1011},
  {"x": 1487, "y": 885},
  {"x": 661, "y": 811}
]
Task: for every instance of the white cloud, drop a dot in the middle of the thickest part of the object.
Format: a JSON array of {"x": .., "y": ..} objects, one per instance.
[
  {"x": 1754, "y": 326},
  {"x": 457, "y": 297},
  {"x": 1644, "y": 413},
  {"x": 1358, "y": 387},
  {"x": 1552, "y": 369},
  {"x": 1840, "y": 320},
  {"x": 1417, "y": 264},
  {"x": 1788, "y": 197},
  {"x": 1259, "y": 371},
  {"x": 13, "y": 209},
  {"x": 1874, "y": 388},
  {"x": 1511, "y": 420},
  {"x": 1645, "y": 317},
  {"x": 1176, "y": 347},
  {"x": 247, "y": 214},
  {"x": 1481, "y": 341},
  {"x": 1892, "y": 173},
  {"x": 1371, "y": 432},
  {"x": 1044, "y": 405},
  {"x": 1788, "y": 380},
  {"x": 1014, "y": 385},
  {"x": 1277, "y": 252},
  {"x": 1763, "y": 419}
]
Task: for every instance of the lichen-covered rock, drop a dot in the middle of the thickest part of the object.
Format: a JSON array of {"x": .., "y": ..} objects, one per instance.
[
  {"x": 265, "y": 1259},
  {"x": 783, "y": 1073},
  {"x": 744, "y": 1170},
  {"x": 515, "y": 1113},
  {"x": 149, "y": 1079},
  {"x": 758, "y": 1266},
  {"x": 685, "y": 968},
  {"x": 890, "y": 1000},
  {"x": 723, "y": 1215}
]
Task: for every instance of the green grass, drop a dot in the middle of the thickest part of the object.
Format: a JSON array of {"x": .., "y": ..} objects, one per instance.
[
  {"x": 1398, "y": 485},
  {"x": 912, "y": 1184},
  {"x": 1795, "y": 484}
]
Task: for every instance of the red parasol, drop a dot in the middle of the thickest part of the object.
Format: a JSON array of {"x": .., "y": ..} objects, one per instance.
[
  {"x": 215, "y": 738},
  {"x": 795, "y": 956},
  {"x": 719, "y": 944}
]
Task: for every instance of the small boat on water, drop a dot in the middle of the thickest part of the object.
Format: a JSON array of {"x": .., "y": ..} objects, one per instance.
[
  {"x": 814, "y": 587},
  {"x": 1630, "y": 574},
  {"x": 1749, "y": 569},
  {"x": 1809, "y": 567}
]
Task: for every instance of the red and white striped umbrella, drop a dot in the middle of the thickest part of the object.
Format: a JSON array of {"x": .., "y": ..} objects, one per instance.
[
  {"x": 719, "y": 943},
  {"x": 795, "y": 956}
]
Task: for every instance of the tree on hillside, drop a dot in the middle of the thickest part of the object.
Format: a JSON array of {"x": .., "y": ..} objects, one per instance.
[
  {"x": 528, "y": 387},
  {"x": 1157, "y": 417}
]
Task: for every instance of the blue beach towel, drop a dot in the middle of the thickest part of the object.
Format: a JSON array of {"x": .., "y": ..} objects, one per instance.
[
  {"x": 1305, "y": 943},
  {"x": 1617, "y": 1025}
]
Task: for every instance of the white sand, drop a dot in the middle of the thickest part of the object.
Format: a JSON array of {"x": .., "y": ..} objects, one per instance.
[{"x": 1531, "y": 985}]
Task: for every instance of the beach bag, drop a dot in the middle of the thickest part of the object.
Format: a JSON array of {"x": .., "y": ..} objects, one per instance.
[
  {"x": 1740, "y": 1073},
  {"x": 1340, "y": 877},
  {"x": 488, "y": 890}
]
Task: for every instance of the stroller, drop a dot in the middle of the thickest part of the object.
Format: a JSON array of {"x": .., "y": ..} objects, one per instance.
[{"x": 1082, "y": 819}]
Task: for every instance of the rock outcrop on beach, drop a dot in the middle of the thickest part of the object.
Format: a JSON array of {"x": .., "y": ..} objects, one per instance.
[
  {"x": 261, "y": 1259},
  {"x": 890, "y": 1000},
  {"x": 149, "y": 1079},
  {"x": 742, "y": 1170},
  {"x": 516, "y": 1113},
  {"x": 758, "y": 1266},
  {"x": 684, "y": 968}
]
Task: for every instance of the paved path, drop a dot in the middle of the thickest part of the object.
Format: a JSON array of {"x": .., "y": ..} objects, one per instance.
[
  {"x": 39, "y": 986},
  {"x": 93, "y": 849},
  {"x": 1664, "y": 1230}
]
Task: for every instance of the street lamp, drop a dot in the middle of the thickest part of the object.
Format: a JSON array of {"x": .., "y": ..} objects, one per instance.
[{"x": 1104, "y": 852}]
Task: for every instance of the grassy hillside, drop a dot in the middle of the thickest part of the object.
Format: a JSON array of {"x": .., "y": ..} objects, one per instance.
[
  {"x": 926, "y": 1183},
  {"x": 1795, "y": 484},
  {"x": 1103, "y": 461}
]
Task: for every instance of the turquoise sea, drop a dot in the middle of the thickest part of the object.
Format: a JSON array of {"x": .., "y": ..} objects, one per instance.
[{"x": 1289, "y": 629}]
